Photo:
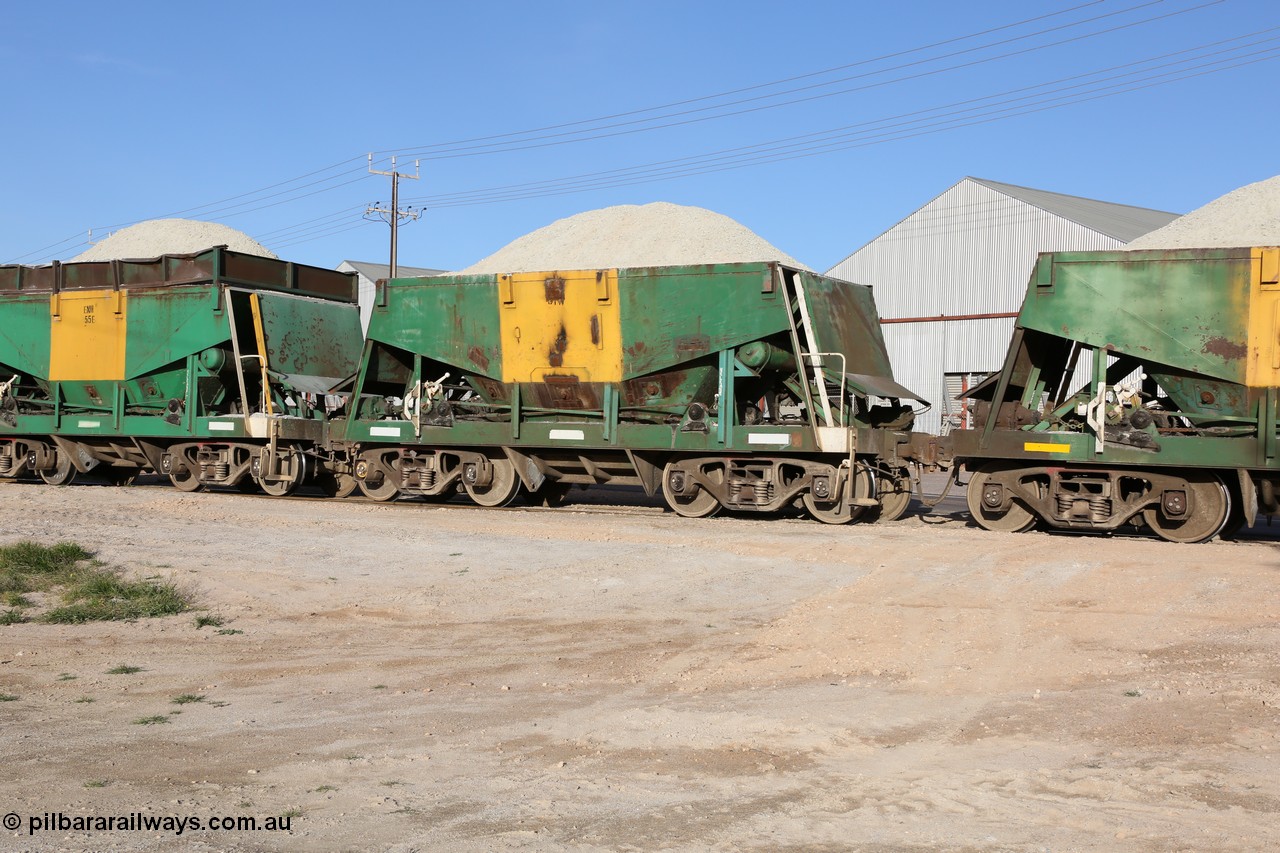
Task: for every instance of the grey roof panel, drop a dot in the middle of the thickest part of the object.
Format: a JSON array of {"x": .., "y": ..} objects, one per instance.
[
  {"x": 1121, "y": 221},
  {"x": 377, "y": 271}
]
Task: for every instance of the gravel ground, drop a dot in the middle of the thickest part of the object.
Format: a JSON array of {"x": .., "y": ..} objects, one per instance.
[
  {"x": 628, "y": 235},
  {"x": 612, "y": 677}
]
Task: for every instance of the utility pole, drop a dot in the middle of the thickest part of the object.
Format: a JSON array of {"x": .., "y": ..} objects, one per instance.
[{"x": 394, "y": 214}]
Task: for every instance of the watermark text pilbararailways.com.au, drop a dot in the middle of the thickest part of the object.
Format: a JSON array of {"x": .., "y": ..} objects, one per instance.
[{"x": 139, "y": 822}]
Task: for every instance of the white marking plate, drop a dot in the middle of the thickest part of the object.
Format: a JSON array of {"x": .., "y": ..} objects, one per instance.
[
  {"x": 780, "y": 440},
  {"x": 567, "y": 435}
]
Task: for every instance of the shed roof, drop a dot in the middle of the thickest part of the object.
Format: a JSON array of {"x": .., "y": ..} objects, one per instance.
[
  {"x": 377, "y": 271},
  {"x": 1122, "y": 221}
]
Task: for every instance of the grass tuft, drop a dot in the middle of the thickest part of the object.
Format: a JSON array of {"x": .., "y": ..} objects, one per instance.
[
  {"x": 151, "y": 721},
  {"x": 124, "y": 669},
  {"x": 90, "y": 591},
  {"x": 187, "y": 698},
  {"x": 206, "y": 620}
]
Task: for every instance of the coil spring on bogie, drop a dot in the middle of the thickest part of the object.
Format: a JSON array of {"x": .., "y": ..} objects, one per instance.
[
  {"x": 761, "y": 492},
  {"x": 1099, "y": 508},
  {"x": 215, "y": 472},
  {"x": 6, "y": 465}
]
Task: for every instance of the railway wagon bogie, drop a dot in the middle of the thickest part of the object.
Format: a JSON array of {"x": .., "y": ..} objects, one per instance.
[{"x": 749, "y": 387}]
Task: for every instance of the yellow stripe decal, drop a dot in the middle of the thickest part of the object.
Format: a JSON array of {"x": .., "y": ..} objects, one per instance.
[{"x": 1033, "y": 447}]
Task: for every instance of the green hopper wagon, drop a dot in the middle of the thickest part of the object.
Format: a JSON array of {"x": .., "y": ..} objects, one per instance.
[
  {"x": 749, "y": 386},
  {"x": 209, "y": 367},
  {"x": 1174, "y": 428}
]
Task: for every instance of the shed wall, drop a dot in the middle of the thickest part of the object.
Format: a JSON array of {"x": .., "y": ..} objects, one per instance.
[{"x": 969, "y": 251}]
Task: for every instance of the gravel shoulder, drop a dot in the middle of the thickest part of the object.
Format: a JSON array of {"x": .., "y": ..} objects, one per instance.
[{"x": 604, "y": 677}]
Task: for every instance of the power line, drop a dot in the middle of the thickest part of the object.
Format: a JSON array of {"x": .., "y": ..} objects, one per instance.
[
  {"x": 531, "y": 189},
  {"x": 759, "y": 86},
  {"x": 252, "y": 201},
  {"x": 595, "y": 133},
  {"x": 922, "y": 130}
]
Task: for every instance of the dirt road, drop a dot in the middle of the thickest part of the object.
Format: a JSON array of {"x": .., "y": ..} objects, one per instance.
[{"x": 446, "y": 678}]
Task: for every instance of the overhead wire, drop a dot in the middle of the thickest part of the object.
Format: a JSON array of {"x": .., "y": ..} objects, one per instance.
[
  {"x": 758, "y": 86},
  {"x": 261, "y": 199},
  {"x": 594, "y": 133},
  {"x": 922, "y": 130},
  {"x": 879, "y": 84},
  {"x": 500, "y": 192}
]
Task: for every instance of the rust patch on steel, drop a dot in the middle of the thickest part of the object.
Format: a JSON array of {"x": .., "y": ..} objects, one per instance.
[
  {"x": 477, "y": 356},
  {"x": 595, "y": 329},
  {"x": 565, "y": 391},
  {"x": 555, "y": 358},
  {"x": 554, "y": 288},
  {"x": 655, "y": 388},
  {"x": 1225, "y": 349}
]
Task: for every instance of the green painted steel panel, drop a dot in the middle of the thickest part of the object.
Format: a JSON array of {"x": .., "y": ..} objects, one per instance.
[
  {"x": 1184, "y": 309},
  {"x": 845, "y": 320},
  {"x": 24, "y": 334},
  {"x": 308, "y": 338},
  {"x": 450, "y": 319},
  {"x": 675, "y": 315},
  {"x": 167, "y": 325}
]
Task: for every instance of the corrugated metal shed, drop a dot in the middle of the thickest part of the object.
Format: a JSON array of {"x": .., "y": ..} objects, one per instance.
[
  {"x": 368, "y": 275},
  {"x": 941, "y": 272}
]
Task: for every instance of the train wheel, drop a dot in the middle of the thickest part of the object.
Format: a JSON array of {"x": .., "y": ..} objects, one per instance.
[
  {"x": 63, "y": 473},
  {"x": 378, "y": 478},
  {"x": 839, "y": 512},
  {"x": 701, "y": 504},
  {"x": 280, "y": 488},
  {"x": 336, "y": 485},
  {"x": 185, "y": 479},
  {"x": 184, "y": 473},
  {"x": 895, "y": 495},
  {"x": 503, "y": 485},
  {"x": 1015, "y": 519},
  {"x": 1210, "y": 506}
]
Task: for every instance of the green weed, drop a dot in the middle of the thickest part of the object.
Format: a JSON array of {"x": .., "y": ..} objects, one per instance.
[
  {"x": 89, "y": 590},
  {"x": 124, "y": 669}
]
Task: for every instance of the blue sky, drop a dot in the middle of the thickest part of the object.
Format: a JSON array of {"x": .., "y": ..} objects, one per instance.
[{"x": 260, "y": 115}]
